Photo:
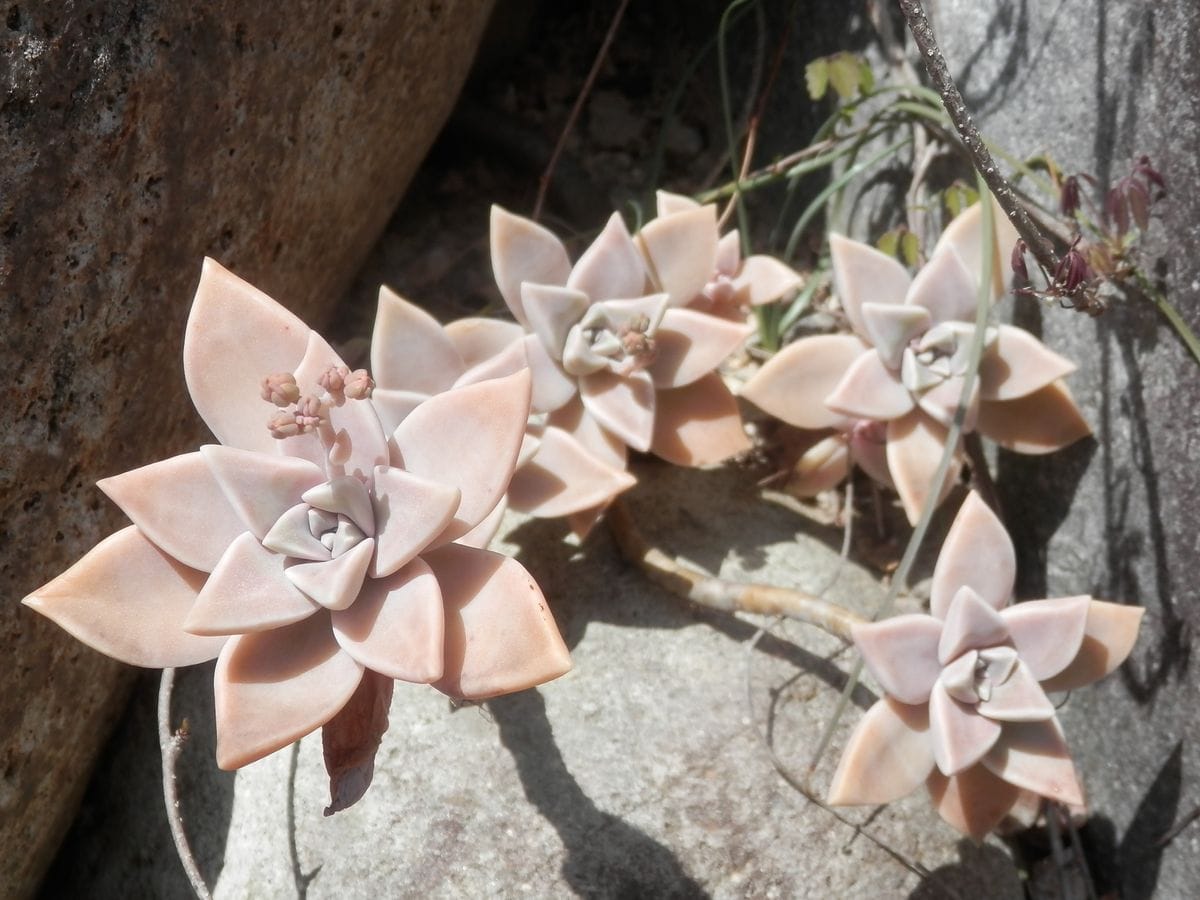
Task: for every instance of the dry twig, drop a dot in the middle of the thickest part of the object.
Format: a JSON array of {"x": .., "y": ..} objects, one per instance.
[
  {"x": 719, "y": 594},
  {"x": 170, "y": 743},
  {"x": 584, "y": 92}
]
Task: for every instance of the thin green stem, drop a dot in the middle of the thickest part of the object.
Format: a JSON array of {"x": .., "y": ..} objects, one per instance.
[
  {"x": 846, "y": 177},
  {"x": 727, "y": 115},
  {"x": 1170, "y": 313}
]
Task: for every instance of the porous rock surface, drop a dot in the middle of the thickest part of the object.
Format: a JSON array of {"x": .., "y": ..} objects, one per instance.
[
  {"x": 1096, "y": 85},
  {"x": 136, "y": 137}
]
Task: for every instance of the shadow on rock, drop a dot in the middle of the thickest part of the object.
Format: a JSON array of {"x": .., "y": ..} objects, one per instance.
[
  {"x": 1131, "y": 865},
  {"x": 606, "y": 857},
  {"x": 981, "y": 871},
  {"x": 120, "y": 845}
]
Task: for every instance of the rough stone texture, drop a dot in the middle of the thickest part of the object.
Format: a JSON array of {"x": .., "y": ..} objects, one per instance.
[
  {"x": 137, "y": 137},
  {"x": 1097, "y": 84}
]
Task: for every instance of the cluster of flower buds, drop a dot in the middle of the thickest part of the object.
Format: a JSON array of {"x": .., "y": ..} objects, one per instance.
[
  {"x": 341, "y": 384},
  {"x": 299, "y": 414}
]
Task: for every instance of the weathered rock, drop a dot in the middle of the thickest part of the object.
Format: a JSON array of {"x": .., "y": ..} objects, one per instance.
[
  {"x": 1096, "y": 85},
  {"x": 137, "y": 137}
]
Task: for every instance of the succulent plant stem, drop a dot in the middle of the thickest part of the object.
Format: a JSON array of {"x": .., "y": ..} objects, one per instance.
[
  {"x": 719, "y": 594},
  {"x": 170, "y": 742}
]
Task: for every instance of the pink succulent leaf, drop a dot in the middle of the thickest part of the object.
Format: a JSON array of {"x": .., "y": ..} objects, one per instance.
[
  {"x": 478, "y": 339},
  {"x": 861, "y": 274},
  {"x": 970, "y": 624},
  {"x": 274, "y": 687},
  {"x": 869, "y": 390},
  {"x": 368, "y": 443},
  {"x": 611, "y": 268},
  {"x": 393, "y": 407},
  {"x": 523, "y": 250},
  {"x": 668, "y": 204},
  {"x": 698, "y": 424},
  {"x": 1109, "y": 634},
  {"x": 690, "y": 344},
  {"x": 128, "y": 599},
  {"x": 500, "y": 636},
  {"x": 764, "y": 279},
  {"x": 351, "y": 739},
  {"x": 868, "y": 450},
  {"x": 1041, "y": 422},
  {"x": 292, "y": 535},
  {"x": 974, "y": 801},
  {"x": 1019, "y": 364},
  {"x": 960, "y": 735},
  {"x": 481, "y": 535},
  {"x": 680, "y": 252},
  {"x": 888, "y": 756},
  {"x": 468, "y": 438},
  {"x": 623, "y": 405},
  {"x": 235, "y": 337},
  {"x": 890, "y": 327},
  {"x": 552, "y": 312},
  {"x": 793, "y": 384},
  {"x": 1048, "y": 633},
  {"x": 946, "y": 288},
  {"x": 248, "y": 591},
  {"x": 821, "y": 467},
  {"x": 345, "y": 495},
  {"x": 1018, "y": 699},
  {"x": 531, "y": 442},
  {"x": 729, "y": 254},
  {"x": 396, "y": 626},
  {"x": 965, "y": 235},
  {"x": 940, "y": 402},
  {"x": 901, "y": 653},
  {"x": 977, "y": 553},
  {"x": 915, "y": 443},
  {"x": 334, "y": 584},
  {"x": 1034, "y": 756},
  {"x": 410, "y": 512},
  {"x": 564, "y": 478},
  {"x": 552, "y": 387},
  {"x": 410, "y": 350},
  {"x": 178, "y": 504},
  {"x": 575, "y": 420},
  {"x": 260, "y": 487}
]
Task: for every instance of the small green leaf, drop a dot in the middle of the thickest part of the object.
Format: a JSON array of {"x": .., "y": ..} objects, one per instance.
[
  {"x": 843, "y": 74},
  {"x": 889, "y": 242},
  {"x": 910, "y": 249},
  {"x": 958, "y": 197},
  {"x": 816, "y": 76},
  {"x": 866, "y": 78}
]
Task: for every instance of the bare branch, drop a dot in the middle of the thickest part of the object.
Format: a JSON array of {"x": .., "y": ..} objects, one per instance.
[
  {"x": 170, "y": 743},
  {"x": 719, "y": 594}
]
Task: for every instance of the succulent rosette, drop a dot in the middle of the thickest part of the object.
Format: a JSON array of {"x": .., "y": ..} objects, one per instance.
[
  {"x": 311, "y": 552},
  {"x": 617, "y": 359},
  {"x": 966, "y": 710},
  {"x": 890, "y": 389},
  {"x": 413, "y": 357},
  {"x": 704, "y": 270}
]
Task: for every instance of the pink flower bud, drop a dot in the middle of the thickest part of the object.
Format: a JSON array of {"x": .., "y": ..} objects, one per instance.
[
  {"x": 309, "y": 412},
  {"x": 333, "y": 380},
  {"x": 1068, "y": 199},
  {"x": 281, "y": 389},
  {"x": 358, "y": 385},
  {"x": 283, "y": 426}
]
